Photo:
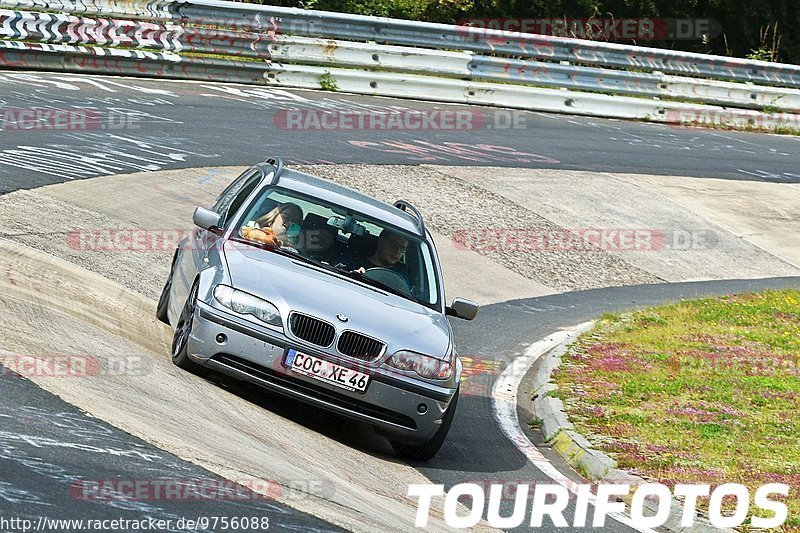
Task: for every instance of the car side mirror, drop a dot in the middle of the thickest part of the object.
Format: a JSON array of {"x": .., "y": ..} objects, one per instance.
[
  {"x": 462, "y": 308},
  {"x": 206, "y": 218}
]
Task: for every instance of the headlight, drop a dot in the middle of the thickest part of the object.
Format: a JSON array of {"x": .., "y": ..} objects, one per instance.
[
  {"x": 247, "y": 304},
  {"x": 426, "y": 366}
]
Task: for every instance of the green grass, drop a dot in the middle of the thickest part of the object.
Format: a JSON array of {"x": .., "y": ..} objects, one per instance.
[{"x": 703, "y": 391}]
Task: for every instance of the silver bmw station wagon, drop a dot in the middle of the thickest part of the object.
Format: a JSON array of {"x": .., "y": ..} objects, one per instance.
[{"x": 323, "y": 294}]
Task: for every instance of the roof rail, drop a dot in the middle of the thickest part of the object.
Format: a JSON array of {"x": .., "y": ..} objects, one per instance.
[
  {"x": 276, "y": 162},
  {"x": 406, "y": 206}
]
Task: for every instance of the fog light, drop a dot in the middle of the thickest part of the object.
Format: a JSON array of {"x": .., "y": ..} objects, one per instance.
[
  {"x": 221, "y": 338},
  {"x": 422, "y": 408}
]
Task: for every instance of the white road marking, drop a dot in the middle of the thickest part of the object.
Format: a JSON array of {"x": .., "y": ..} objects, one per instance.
[{"x": 763, "y": 174}]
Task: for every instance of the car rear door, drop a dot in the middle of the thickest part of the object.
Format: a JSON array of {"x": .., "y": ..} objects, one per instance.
[{"x": 193, "y": 255}]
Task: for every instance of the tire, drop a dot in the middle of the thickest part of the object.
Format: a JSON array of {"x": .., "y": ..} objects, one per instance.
[
  {"x": 163, "y": 302},
  {"x": 162, "y": 309},
  {"x": 428, "y": 449},
  {"x": 180, "y": 340}
]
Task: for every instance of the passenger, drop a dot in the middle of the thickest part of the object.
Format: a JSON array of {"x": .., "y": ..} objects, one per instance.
[
  {"x": 317, "y": 239},
  {"x": 280, "y": 220}
]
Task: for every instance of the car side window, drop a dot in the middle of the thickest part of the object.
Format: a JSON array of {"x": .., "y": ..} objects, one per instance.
[
  {"x": 232, "y": 198},
  {"x": 239, "y": 199},
  {"x": 224, "y": 200}
]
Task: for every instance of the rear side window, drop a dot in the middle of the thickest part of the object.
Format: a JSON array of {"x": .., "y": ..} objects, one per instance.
[
  {"x": 226, "y": 197},
  {"x": 239, "y": 199},
  {"x": 234, "y": 196}
]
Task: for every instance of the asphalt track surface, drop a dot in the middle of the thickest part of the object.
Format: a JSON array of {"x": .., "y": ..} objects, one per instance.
[
  {"x": 162, "y": 125},
  {"x": 142, "y": 124},
  {"x": 55, "y": 459}
]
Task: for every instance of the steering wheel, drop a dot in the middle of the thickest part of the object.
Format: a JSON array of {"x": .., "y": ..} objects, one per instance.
[{"x": 389, "y": 278}]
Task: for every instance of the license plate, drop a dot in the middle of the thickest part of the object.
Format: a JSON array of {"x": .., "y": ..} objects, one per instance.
[{"x": 323, "y": 370}]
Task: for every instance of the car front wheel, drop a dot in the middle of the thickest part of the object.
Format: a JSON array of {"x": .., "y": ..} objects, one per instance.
[{"x": 428, "y": 449}]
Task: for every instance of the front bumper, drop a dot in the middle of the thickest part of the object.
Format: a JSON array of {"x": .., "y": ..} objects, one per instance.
[{"x": 256, "y": 353}]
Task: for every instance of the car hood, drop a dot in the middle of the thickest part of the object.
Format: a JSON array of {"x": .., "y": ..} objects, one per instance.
[{"x": 293, "y": 285}]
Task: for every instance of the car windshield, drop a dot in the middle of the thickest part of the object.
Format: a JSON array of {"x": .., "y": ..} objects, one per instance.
[{"x": 349, "y": 242}]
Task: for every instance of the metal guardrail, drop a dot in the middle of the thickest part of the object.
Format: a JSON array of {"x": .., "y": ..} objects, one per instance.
[
  {"x": 441, "y": 36},
  {"x": 230, "y": 41},
  {"x": 264, "y": 18},
  {"x": 144, "y": 9},
  {"x": 58, "y": 28},
  {"x": 634, "y": 83}
]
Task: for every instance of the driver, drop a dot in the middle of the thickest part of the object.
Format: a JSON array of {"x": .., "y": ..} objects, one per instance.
[
  {"x": 384, "y": 260},
  {"x": 391, "y": 248}
]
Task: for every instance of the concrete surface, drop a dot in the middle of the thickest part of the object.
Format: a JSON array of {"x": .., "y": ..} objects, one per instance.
[{"x": 712, "y": 229}]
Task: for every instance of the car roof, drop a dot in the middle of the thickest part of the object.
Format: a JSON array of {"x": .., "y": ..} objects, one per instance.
[{"x": 337, "y": 194}]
